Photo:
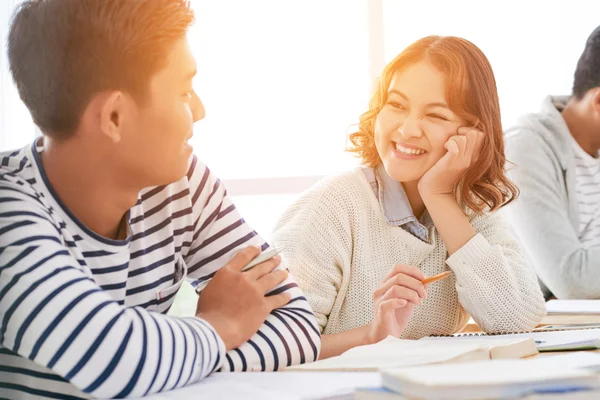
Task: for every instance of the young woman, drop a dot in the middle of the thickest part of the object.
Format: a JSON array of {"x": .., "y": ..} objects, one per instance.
[{"x": 424, "y": 202}]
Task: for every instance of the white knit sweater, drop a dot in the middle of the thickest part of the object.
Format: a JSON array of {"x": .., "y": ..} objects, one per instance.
[{"x": 339, "y": 247}]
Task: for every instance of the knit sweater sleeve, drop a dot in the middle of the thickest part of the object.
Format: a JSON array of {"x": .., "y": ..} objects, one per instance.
[
  {"x": 494, "y": 283},
  {"x": 316, "y": 244}
]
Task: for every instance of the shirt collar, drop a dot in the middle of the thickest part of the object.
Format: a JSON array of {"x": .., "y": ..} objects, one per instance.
[{"x": 392, "y": 198}]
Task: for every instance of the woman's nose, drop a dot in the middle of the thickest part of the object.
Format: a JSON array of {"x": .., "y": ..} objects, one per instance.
[{"x": 410, "y": 128}]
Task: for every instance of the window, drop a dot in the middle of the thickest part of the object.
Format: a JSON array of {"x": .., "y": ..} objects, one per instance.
[
  {"x": 284, "y": 81},
  {"x": 533, "y": 46}
]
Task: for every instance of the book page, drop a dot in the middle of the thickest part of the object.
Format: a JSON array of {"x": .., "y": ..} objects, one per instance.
[{"x": 393, "y": 352}]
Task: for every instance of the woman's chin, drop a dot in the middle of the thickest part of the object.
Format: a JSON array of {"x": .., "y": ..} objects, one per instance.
[{"x": 403, "y": 173}]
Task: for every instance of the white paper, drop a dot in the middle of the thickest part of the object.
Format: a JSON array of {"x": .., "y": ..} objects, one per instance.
[
  {"x": 272, "y": 386},
  {"x": 563, "y": 307},
  {"x": 505, "y": 371},
  {"x": 393, "y": 353},
  {"x": 544, "y": 340}
]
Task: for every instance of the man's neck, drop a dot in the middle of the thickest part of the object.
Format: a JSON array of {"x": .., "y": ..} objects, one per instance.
[
  {"x": 88, "y": 186},
  {"x": 585, "y": 135}
]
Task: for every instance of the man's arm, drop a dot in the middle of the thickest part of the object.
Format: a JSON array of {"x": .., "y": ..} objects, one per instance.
[
  {"x": 540, "y": 220},
  {"x": 54, "y": 314},
  {"x": 290, "y": 334}
]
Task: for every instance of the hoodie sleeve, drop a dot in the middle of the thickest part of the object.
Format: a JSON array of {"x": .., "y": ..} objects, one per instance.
[{"x": 540, "y": 220}]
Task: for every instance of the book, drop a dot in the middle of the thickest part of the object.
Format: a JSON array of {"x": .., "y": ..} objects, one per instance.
[
  {"x": 568, "y": 373},
  {"x": 393, "y": 352},
  {"x": 571, "y": 319},
  {"x": 573, "y": 307},
  {"x": 386, "y": 394},
  {"x": 545, "y": 340}
]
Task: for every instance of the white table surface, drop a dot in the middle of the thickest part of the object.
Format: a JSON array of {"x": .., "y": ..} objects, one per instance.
[{"x": 273, "y": 386}]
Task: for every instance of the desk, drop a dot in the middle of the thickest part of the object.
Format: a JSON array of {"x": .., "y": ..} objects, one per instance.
[
  {"x": 273, "y": 386},
  {"x": 308, "y": 385}
]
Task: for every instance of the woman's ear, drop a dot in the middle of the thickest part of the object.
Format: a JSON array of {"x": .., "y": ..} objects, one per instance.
[{"x": 477, "y": 124}]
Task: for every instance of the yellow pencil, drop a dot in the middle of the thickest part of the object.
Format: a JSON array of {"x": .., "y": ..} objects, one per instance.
[{"x": 436, "y": 277}]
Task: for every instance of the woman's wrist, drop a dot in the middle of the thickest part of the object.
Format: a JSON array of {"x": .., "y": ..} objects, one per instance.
[
  {"x": 450, "y": 220},
  {"x": 368, "y": 335},
  {"x": 433, "y": 200}
]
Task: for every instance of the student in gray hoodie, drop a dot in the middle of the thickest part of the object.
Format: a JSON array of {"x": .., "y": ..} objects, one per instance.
[{"x": 557, "y": 169}]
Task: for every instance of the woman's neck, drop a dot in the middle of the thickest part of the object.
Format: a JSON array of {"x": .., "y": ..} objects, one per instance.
[{"x": 414, "y": 198}]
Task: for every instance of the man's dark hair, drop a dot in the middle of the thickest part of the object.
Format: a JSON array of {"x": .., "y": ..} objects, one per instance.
[
  {"x": 63, "y": 52},
  {"x": 587, "y": 74}
]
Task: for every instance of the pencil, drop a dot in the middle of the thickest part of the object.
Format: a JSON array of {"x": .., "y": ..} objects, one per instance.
[{"x": 436, "y": 277}]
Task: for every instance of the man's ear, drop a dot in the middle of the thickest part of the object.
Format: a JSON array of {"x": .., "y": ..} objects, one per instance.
[
  {"x": 111, "y": 115},
  {"x": 596, "y": 101}
]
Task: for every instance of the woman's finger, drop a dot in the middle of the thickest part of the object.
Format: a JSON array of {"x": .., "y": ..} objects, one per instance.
[
  {"x": 403, "y": 293},
  {"x": 405, "y": 269},
  {"x": 401, "y": 280}
]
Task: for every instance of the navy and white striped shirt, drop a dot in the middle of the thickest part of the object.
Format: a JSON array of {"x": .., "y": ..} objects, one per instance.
[{"x": 85, "y": 316}]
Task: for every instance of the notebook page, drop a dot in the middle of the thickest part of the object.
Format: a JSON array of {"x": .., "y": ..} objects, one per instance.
[{"x": 544, "y": 340}]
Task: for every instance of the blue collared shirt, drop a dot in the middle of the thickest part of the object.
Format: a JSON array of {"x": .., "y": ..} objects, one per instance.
[{"x": 394, "y": 203}]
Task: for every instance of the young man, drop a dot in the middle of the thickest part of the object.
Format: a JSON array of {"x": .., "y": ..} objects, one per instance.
[
  {"x": 557, "y": 216},
  {"x": 103, "y": 218}
]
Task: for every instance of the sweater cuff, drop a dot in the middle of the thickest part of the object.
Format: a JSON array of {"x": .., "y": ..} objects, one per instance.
[{"x": 470, "y": 254}]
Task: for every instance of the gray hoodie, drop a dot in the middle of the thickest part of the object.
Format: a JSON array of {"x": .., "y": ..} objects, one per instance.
[{"x": 545, "y": 217}]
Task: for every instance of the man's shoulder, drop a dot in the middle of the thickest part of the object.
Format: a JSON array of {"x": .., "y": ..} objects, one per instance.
[
  {"x": 546, "y": 126},
  {"x": 21, "y": 196},
  {"x": 536, "y": 137},
  {"x": 15, "y": 163},
  {"x": 17, "y": 177}
]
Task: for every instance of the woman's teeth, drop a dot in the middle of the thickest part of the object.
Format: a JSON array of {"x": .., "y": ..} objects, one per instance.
[{"x": 409, "y": 151}]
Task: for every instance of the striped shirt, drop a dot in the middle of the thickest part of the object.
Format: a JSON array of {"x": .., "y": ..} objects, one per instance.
[
  {"x": 587, "y": 187},
  {"x": 84, "y": 316}
]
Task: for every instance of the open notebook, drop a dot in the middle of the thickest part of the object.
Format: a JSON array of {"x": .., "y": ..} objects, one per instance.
[
  {"x": 497, "y": 378},
  {"x": 546, "y": 340},
  {"x": 393, "y": 352}
]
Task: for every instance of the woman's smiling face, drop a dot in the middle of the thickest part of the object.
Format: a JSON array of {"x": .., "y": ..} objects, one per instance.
[{"x": 415, "y": 122}]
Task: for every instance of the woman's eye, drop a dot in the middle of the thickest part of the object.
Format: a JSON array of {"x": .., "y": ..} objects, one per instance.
[
  {"x": 396, "y": 105},
  {"x": 438, "y": 116}
]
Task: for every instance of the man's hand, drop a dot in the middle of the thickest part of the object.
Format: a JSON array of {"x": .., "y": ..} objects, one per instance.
[{"x": 234, "y": 302}]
